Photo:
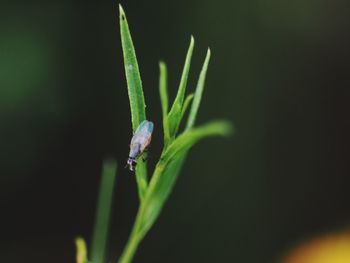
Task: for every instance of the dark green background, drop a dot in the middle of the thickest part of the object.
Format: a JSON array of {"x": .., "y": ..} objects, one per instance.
[{"x": 279, "y": 72}]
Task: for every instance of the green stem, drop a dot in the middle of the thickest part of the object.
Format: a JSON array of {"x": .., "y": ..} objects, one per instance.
[
  {"x": 133, "y": 242},
  {"x": 103, "y": 212},
  {"x": 130, "y": 249},
  {"x": 141, "y": 179},
  {"x": 139, "y": 230}
]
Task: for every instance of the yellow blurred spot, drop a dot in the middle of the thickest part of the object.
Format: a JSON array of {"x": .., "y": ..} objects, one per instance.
[
  {"x": 81, "y": 253},
  {"x": 333, "y": 248}
]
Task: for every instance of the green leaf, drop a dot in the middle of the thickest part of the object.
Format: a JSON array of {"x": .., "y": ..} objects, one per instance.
[
  {"x": 163, "y": 91},
  {"x": 168, "y": 168},
  {"x": 186, "y": 104},
  {"x": 174, "y": 116},
  {"x": 137, "y": 101},
  {"x": 103, "y": 212},
  {"x": 141, "y": 178},
  {"x": 136, "y": 98},
  {"x": 154, "y": 195},
  {"x": 81, "y": 250},
  {"x": 198, "y": 93},
  {"x": 186, "y": 140}
]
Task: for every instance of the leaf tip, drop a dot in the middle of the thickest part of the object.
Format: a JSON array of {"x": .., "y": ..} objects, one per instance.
[
  {"x": 192, "y": 41},
  {"x": 222, "y": 128},
  {"x": 208, "y": 52},
  {"x": 190, "y": 96},
  {"x": 162, "y": 64},
  {"x": 227, "y": 129},
  {"x": 121, "y": 12}
]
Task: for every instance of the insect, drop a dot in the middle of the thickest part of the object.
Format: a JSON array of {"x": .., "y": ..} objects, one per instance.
[{"x": 139, "y": 143}]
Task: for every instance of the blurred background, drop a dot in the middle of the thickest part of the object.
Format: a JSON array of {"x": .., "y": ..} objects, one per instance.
[{"x": 279, "y": 72}]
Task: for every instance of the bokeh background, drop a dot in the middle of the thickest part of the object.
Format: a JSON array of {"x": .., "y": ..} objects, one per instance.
[{"x": 279, "y": 72}]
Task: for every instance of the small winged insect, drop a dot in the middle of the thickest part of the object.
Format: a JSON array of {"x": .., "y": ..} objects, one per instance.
[{"x": 139, "y": 143}]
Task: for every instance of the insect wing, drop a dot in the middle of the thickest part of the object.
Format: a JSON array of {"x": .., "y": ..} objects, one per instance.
[
  {"x": 145, "y": 126},
  {"x": 142, "y": 136}
]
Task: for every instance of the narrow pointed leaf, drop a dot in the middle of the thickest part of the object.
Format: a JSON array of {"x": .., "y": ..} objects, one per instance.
[
  {"x": 137, "y": 101},
  {"x": 163, "y": 91},
  {"x": 174, "y": 116},
  {"x": 103, "y": 212},
  {"x": 187, "y": 103},
  {"x": 198, "y": 93},
  {"x": 186, "y": 140},
  {"x": 135, "y": 92}
]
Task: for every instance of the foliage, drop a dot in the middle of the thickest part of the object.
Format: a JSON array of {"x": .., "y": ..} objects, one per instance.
[{"x": 154, "y": 194}]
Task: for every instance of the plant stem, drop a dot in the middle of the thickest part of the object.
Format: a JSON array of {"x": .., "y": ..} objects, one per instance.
[
  {"x": 103, "y": 212},
  {"x": 130, "y": 249},
  {"x": 133, "y": 242},
  {"x": 139, "y": 230}
]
